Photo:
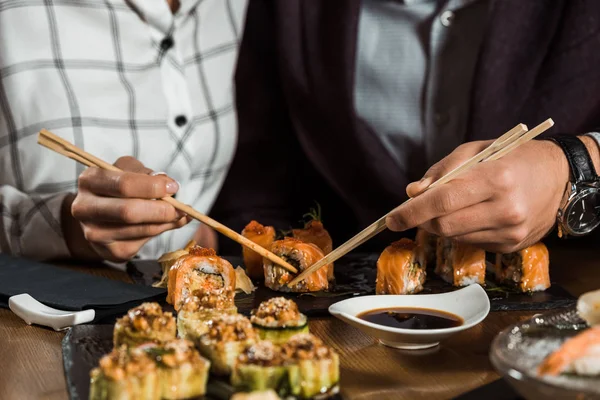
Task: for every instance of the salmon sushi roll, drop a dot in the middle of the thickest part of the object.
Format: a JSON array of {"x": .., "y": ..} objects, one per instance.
[
  {"x": 315, "y": 233},
  {"x": 263, "y": 236},
  {"x": 398, "y": 269},
  {"x": 579, "y": 355},
  {"x": 588, "y": 307},
  {"x": 527, "y": 269},
  {"x": 426, "y": 247},
  {"x": 201, "y": 271},
  {"x": 301, "y": 255},
  {"x": 459, "y": 264}
]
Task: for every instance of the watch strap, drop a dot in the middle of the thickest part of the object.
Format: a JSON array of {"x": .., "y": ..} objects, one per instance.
[{"x": 580, "y": 162}]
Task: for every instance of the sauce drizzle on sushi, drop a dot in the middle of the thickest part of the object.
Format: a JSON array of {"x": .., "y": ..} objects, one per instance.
[{"x": 411, "y": 318}]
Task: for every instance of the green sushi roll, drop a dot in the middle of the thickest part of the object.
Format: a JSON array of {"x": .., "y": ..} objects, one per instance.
[
  {"x": 227, "y": 337},
  {"x": 200, "y": 308},
  {"x": 313, "y": 368},
  {"x": 125, "y": 375},
  {"x": 260, "y": 367},
  {"x": 278, "y": 319},
  {"x": 143, "y": 324},
  {"x": 182, "y": 371}
]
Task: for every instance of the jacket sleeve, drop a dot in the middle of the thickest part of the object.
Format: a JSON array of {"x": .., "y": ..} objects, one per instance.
[{"x": 30, "y": 225}]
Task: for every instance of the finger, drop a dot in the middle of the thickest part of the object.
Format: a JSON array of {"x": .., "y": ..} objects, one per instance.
[
  {"x": 126, "y": 184},
  {"x": 461, "y": 154},
  {"x": 479, "y": 217},
  {"x": 132, "y": 164},
  {"x": 125, "y": 211},
  {"x": 498, "y": 240},
  {"x": 119, "y": 251},
  {"x": 108, "y": 233},
  {"x": 446, "y": 199}
]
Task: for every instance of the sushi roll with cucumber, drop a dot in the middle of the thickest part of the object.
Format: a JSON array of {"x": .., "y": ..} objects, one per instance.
[
  {"x": 460, "y": 264},
  {"x": 200, "y": 308},
  {"x": 312, "y": 367},
  {"x": 399, "y": 271},
  {"x": 278, "y": 319},
  {"x": 142, "y": 324},
  {"x": 125, "y": 374},
  {"x": 182, "y": 372},
  {"x": 259, "y": 367},
  {"x": 528, "y": 270},
  {"x": 226, "y": 338}
]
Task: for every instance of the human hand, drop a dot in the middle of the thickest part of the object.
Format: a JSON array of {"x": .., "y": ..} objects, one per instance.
[
  {"x": 117, "y": 212},
  {"x": 500, "y": 206}
]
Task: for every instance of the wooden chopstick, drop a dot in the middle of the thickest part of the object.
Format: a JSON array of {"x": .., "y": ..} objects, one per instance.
[
  {"x": 499, "y": 148},
  {"x": 64, "y": 147}
]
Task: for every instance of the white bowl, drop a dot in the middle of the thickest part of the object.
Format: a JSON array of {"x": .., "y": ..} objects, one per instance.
[{"x": 470, "y": 303}]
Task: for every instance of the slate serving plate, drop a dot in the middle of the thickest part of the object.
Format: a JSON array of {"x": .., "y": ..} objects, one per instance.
[
  {"x": 355, "y": 276},
  {"x": 84, "y": 345}
]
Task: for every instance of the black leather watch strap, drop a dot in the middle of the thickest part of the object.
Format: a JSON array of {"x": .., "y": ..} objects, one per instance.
[{"x": 582, "y": 167}]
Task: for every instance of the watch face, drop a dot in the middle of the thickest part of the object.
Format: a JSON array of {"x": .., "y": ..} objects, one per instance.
[{"x": 583, "y": 212}]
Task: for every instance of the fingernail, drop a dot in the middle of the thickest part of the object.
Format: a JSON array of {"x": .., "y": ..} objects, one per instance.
[
  {"x": 393, "y": 224},
  {"x": 425, "y": 182},
  {"x": 172, "y": 187}
]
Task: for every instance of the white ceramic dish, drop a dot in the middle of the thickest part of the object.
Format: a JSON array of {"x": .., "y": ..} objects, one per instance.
[{"x": 470, "y": 303}]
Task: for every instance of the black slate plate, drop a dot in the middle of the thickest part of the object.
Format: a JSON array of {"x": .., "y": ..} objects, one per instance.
[
  {"x": 355, "y": 276},
  {"x": 84, "y": 345}
]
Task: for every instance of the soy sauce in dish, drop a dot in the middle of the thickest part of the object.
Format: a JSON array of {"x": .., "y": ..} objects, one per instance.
[{"x": 411, "y": 318}]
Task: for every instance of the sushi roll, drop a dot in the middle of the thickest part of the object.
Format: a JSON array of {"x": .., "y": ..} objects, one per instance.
[
  {"x": 259, "y": 367},
  {"x": 527, "y": 269},
  {"x": 588, "y": 307},
  {"x": 125, "y": 374},
  {"x": 315, "y": 233},
  {"x": 313, "y": 368},
  {"x": 142, "y": 324},
  {"x": 182, "y": 372},
  {"x": 227, "y": 337},
  {"x": 167, "y": 260},
  {"x": 200, "y": 271},
  {"x": 256, "y": 395},
  {"x": 398, "y": 270},
  {"x": 578, "y": 355},
  {"x": 426, "y": 247},
  {"x": 264, "y": 236},
  {"x": 278, "y": 319},
  {"x": 301, "y": 255},
  {"x": 200, "y": 308},
  {"x": 460, "y": 264}
]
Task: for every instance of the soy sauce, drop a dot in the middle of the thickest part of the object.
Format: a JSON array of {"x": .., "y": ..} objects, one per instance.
[{"x": 411, "y": 318}]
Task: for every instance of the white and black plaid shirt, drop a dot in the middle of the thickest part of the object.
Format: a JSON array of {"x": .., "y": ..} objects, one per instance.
[{"x": 115, "y": 77}]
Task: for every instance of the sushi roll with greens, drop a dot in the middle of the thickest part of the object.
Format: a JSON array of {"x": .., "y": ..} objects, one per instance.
[
  {"x": 259, "y": 367},
  {"x": 460, "y": 264},
  {"x": 313, "y": 368},
  {"x": 125, "y": 374},
  {"x": 528, "y": 270},
  {"x": 182, "y": 371},
  {"x": 278, "y": 319},
  {"x": 142, "y": 324},
  {"x": 200, "y": 308},
  {"x": 227, "y": 337}
]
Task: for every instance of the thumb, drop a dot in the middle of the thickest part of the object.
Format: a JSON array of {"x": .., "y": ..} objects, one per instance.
[{"x": 461, "y": 154}]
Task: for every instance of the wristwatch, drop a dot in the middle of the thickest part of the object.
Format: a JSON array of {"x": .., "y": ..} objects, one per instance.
[{"x": 579, "y": 212}]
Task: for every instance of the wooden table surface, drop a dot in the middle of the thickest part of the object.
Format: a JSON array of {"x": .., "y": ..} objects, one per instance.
[{"x": 31, "y": 359}]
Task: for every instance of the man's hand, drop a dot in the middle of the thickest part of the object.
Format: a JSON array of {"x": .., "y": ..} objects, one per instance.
[
  {"x": 117, "y": 212},
  {"x": 500, "y": 206}
]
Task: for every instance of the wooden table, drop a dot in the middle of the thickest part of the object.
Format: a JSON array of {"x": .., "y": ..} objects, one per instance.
[{"x": 31, "y": 359}]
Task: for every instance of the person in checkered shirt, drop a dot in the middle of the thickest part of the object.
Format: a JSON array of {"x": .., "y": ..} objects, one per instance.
[{"x": 145, "y": 84}]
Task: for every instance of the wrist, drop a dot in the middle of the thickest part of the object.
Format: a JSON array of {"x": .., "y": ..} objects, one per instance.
[{"x": 78, "y": 246}]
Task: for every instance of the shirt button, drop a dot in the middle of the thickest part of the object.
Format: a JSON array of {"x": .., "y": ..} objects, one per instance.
[
  {"x": 447, "y": 18},
  {"x": 180, "y": 120},
  {"x": 166, "y": 43}
]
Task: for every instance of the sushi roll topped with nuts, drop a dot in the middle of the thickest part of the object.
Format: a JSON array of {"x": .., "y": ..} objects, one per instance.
[
  {"x": 278, "y": 319},
  {"x": 145, "y": 323},
  {"x": 260, "y": 366},
  {"x": 125, "y": 374},
  {"x": 226, "y": 338},
  {"x": 200, "y": 308}
]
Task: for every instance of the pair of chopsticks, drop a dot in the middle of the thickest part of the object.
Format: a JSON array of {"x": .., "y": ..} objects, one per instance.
[
  {"x": 499, "y": 148},
  {"x": 64, "y": 147}
]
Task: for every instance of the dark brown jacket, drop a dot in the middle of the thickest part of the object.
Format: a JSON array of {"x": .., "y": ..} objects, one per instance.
[{"x": 301, "y": 140}]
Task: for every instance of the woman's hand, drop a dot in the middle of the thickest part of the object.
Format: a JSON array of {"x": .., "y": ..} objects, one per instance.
[
  {"x": 117, "y": 212},
  {"x": 500, "y": 206}
]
